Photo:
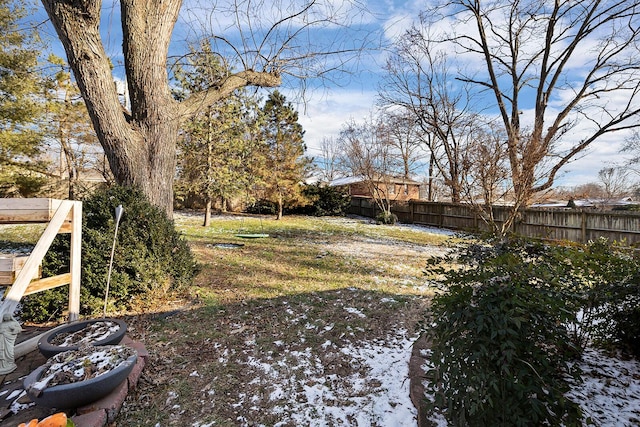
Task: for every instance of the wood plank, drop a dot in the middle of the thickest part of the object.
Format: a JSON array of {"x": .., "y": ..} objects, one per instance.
[
  {"x": 18, "y": 210},
  {"x": 12, "y": 262},
  {"x": 10, "y": 267},
  {"x": 75, "y": 260},
  {"x": 48, "y": 283},
  {"x": 8, "y": 277}
]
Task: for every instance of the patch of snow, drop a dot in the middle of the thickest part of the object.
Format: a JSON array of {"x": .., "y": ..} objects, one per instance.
[
  {"x": 16, "y": 406},
  {"x": 355, "y": 311},
  {"x": 610, "y": 392},
  {"x": 303, "y": 393},
  {"x": 96, "y": 331},
  {"x": 14, "y": 394},
  {"x": 431, "y": 230}
]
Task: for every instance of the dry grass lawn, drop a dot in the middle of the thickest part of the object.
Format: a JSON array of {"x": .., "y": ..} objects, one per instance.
[{"x": 269, "y": 321}]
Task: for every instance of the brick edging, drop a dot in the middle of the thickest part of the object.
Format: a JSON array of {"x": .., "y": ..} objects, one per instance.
[
  {"x": 416, "y": 376},
  {"x": 104, "y": 411}
]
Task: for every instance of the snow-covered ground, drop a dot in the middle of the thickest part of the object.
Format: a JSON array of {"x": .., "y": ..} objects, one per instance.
[
  {"x": 609, "y": 394},
  {"x": 377, "y": 395},
  {"x": 302, "y": 392}
]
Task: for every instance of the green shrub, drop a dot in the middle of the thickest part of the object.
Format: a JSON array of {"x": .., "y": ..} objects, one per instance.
[
  {"x": 386, "y": 218},
  {"x": 326, "y": 200},
  {"x": 601, "y": 282},
  {"x": 501, "y": 351},
  {"x": 262, "y": 207},
  {"x": 150, "y": 257}
]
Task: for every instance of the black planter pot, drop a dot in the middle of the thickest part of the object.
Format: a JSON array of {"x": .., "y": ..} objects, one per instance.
[
  {"x": 48, "y": 349},
  {"x": 74, "y": 395}
]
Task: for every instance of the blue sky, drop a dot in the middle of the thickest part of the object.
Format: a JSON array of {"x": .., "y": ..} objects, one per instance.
[
  {"x": 325, "y": 115},
  {"x": 328, "y": 105}
]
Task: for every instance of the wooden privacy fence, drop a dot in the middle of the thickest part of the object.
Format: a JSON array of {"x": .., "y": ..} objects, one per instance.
[
  {"x": 577, "y": 225},
  {"x": 61, "y": 216}
]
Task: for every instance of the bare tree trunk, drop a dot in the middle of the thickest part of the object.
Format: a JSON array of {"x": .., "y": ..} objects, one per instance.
[
  {"x": 431, "y": 168},
  {"x": 69, "y": 161},
  {"x": 280, "y": 207},
  {"x": 140, "y": 145},
  {"x": 207, "y": 213}
]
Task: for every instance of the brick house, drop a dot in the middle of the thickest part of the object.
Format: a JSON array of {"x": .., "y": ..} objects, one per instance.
[{"x": 397, "y": 189}]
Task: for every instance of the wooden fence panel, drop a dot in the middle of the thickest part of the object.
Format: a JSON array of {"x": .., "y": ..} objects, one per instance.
[
  {"x": 551, "y": 224},
  {"x": 554, "y": 224}
]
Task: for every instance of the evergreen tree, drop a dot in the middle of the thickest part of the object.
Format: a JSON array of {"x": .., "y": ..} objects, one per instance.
[
  {"x": 285, "y": 165},
  {"x": 217, "y": 148},
  {"x": 21, "y": 173}
]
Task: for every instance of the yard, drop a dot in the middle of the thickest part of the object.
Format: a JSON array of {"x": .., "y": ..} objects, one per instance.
[{"x": 311, "y": 325}]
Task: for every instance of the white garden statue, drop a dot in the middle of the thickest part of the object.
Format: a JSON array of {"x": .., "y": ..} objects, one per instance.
[{"x": 9, "y": 330}]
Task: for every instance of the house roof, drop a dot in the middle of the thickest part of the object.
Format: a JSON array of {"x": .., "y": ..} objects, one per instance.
[
  {"x": 355, "y": 179},
  {"x": 586, "y": 203}
]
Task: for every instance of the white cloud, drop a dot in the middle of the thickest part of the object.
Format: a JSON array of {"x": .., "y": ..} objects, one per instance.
[
  {"x": 326, "y": 118},
  {"x": 324, "y": 115}
]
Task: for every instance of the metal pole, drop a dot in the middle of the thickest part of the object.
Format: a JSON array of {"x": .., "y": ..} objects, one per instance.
[{"x": 119, "y": 211}]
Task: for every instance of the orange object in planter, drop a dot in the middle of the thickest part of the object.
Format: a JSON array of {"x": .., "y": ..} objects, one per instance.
[{"x": 56, "y": 420}]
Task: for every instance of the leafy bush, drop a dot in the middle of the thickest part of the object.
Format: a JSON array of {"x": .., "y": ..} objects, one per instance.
[
  {"x": 326, "y": 200},
  {"x": 615, "y": 297},
  {"x": 601, "y": 282},
  {"x": 386, "y": 218},
  {"x": 150, "y": 257},
  {"x": 262, "y": 207},
  {"x": 511, "y": 317},
  {"x": 500, "y": 348}
]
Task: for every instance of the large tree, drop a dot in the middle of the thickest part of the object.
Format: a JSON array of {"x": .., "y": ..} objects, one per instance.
[
  {"x": 369, "y": 153},
  {"x": 21, "y": 88},
  {"x": 405, "y": 136},
  {"x": 560, "y": 74},
  {"x": 140, "y": 143},
  {"x": 421, "y": 81},
  {"x": 285, "y": 164}
]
